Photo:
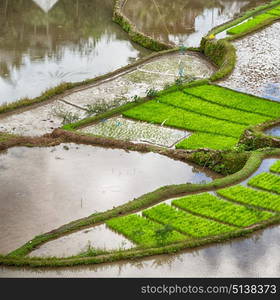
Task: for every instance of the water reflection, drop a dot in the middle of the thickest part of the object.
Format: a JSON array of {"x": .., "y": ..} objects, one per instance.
[
  {"x": 46, "y": 42},
  {"x": 183, "y": 21}
]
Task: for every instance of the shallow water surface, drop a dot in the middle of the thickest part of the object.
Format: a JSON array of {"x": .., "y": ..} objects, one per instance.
[
  {"x": 43, "y": 188},
  {"x": 257, "y": 256},
  {"x": 274, "y": 131},
  {"x": 44, "y": 43},
  {"x": 182, "y": 21}
]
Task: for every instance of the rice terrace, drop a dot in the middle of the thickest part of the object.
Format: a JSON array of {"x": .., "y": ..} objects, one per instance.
[{"x": 139, "y": 138}]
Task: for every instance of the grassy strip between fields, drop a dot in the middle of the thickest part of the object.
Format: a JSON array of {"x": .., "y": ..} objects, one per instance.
[
  {"x": 236, "y": 100},
  {"x": 275, "y": 167},
  {"x": 160, "y": 113},
  {"x": 211, "y": 206},
  {"x": 144, "y": 232},
  {"x": 245, "y": 195},
  {"x": 185, "y": 222},
  {"x": 266, "y": 181}
]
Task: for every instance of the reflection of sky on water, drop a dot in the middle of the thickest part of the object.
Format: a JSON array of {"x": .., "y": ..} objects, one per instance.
[
  {"x": 272, "y": 91},
  {"x": 46, "y": 5}
]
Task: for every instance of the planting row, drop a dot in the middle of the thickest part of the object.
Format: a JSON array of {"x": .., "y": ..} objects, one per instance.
[
  {"x": 211, "y": 206},
  {"x": 145, "y": 232},
  {"x": 236, "y": 100},
  {"x": 251, "y": 24},
  {"x": 185, "y": 222},
  {"x": 207, "y": 140},
  {"x": 160, "y": 113},
  {"x": 266, "y": 181},
  {"x": 242, "y": 194},
  {"x": 276, "y": 167},
  {"x": 204, "y": 107}
]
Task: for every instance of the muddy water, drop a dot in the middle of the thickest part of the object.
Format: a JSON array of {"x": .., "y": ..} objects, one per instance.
[
  {"x": 183, "y": 21},
  {"x": 43, "y": 188},
  {"x": 99, "y": 237},
  {"x": 274, "y": 131},
  {"x": 257, "y": 256},
  {"x": 44, "y": 43}
]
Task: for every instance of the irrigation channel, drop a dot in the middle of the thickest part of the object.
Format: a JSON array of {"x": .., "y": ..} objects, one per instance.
[{"x": 46, "y": 43}]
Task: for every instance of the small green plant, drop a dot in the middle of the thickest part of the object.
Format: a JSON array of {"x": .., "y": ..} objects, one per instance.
[
  {"x": 151, "y": 93},
  {"x": 136, "y": 98}
]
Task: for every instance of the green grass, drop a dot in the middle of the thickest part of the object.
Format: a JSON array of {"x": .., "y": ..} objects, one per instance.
[
  {"x": 144, "y": 232},
  {"x": 207, "y": 140},
  {"x": 221, "y": 210},
  {"x": 186, "y": 222},
  {"x": 250, "y": 196},
  {"x": 252, "y": 23},
  {"x": 266, "y": 181},
  {"x": 276, "y": 167},
  {"x": 201, "y": 106},
  {"x": 275, "y": 11},
  {"x": 236, "y": 100},
  {"x": 156, "y": 112}
]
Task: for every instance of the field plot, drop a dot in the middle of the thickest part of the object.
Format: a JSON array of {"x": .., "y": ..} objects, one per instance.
[
  {"x": 216, "y": 116},
  {"x": 242, "y": 194},
  {"x": 186, "y": 222},
  {"x": 254, "y": 22},
  {"x": 276, "y": 167},
  {"x": 210, "y": 206},
  {"x": 266, "y": 181},
  {"x": 233, "y": 99},
  {"x": 157, "y": 112},
  {"x": 207, "y": 140},
  {"x": 144, "y": 232},
  {"x": 203, "y": 107}
]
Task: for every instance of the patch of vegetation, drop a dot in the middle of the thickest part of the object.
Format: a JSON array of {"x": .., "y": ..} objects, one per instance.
[
  {"x": 275, "y": 167},
  {"x": 251, "y": 24},
  {"x": 144, "y": 232},
  {"x": 236, "y": 100},
  {"x": 185, "y": 222},
  {"x": 163, "y": 114},
  {"x": 204, "y": 107},
  {"x": 202, "y": 140},
  {"x": 266, "y": 181},
  {"x": 242, "y": 194},
  {"x": 221, "y": 210}
]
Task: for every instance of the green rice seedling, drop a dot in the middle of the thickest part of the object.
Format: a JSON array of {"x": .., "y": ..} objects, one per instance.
[
  {"x": 250, "y": 196},
  {"x": 204, "y": 107},
  {"x": 221, "y": 210},
  {"x": 276, "y": 167},
  {"x": 275, "y": 11},
  {"x": 144, "y": 232},
  {"x": 185, "y": 222},
  {"x": 233, "y": 99},
  {"x": 163, "y": 114},
  {"x": 207, "y": 140},
  {"x": 266, "y": 181},
  {"x": 252, "y": 23}
]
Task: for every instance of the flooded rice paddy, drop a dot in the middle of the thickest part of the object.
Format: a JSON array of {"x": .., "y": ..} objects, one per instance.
[
  {"x": 125, "y": 129},
  {"x": 183, "y": 21},
  {"x": 43, "y": 188},
  {"x": 99, "y": 237},
  {"x": 43, "y": 44}
]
